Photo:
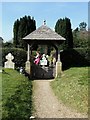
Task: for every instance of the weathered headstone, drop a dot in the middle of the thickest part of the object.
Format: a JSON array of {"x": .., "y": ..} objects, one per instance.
[{"x": 9, "y": 63}]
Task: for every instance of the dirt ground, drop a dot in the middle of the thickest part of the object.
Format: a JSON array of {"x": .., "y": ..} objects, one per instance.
[{"x": 47, "y": 105}]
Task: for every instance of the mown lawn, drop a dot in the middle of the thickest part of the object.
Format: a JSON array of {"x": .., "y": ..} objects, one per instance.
[
  {"x": 16, "y": 96},
  {"x": 72, "y": 88}
]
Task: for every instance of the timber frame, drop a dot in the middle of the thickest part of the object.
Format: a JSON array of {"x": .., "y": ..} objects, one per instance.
[{"x": 44, "y": 36}]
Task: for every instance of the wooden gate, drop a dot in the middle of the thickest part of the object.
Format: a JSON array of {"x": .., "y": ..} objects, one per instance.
[{"x": 42, "y": 72}]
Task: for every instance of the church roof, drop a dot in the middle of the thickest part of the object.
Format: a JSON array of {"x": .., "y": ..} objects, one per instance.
[{"x": 44, "y": 33}]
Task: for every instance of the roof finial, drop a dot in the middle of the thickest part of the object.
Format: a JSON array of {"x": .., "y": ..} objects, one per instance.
[{"x": 44, "y": 22}]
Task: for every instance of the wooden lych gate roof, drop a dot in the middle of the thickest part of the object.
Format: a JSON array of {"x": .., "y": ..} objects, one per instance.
[{"x": 44, "y": 33}]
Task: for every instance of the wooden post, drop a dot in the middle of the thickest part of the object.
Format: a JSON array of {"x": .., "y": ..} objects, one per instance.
[
  {"x": 28, "y": 65},
  {"x": 59, "y": 56},
  {"x": 28, "y": 53}
]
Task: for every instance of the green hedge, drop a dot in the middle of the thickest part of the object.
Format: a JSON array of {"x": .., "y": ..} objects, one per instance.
[
  {"x": 75, "y": 57},
  {"x": 0, "y": 56},
  {"x": 20, "y": 56}
]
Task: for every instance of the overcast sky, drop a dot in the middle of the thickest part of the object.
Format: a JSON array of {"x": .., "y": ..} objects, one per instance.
[{"x": 50, "y": 11}]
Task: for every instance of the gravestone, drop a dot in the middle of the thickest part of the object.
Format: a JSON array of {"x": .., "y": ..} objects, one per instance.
[{"x": 9, "y": 63}]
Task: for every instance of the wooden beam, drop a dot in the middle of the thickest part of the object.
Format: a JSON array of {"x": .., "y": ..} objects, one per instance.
[{"x": 28, "y": 53}]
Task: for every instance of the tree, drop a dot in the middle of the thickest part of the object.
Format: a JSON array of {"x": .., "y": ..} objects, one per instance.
[
  {"x": 7, "y": 45},
  {"x": 15, "y": 31},
  {"x": 80, "y": 38},
  {"x": 21, "y": 28},
  {"x": 76, "y": 30},
  {"x": 63, "y": 27},
  {"x": 82, "y": 26}
]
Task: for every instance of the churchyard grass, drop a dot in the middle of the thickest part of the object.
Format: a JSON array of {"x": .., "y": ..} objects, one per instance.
[
  {"x": 16, "y": 96},
  {"x": 72, "y": 88}
]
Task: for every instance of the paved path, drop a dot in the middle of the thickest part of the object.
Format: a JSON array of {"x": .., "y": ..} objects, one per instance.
[{"x": 47, "y": 104}]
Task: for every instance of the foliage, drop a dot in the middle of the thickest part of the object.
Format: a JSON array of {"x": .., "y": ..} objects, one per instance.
[
  {"x": 63, "y": 27},
  {"x": 75, "y": 57},
  {"x": 0, "y": 56},
  {"x": 7, "y": 44},
  {"x": 44, "y": 49},
  {"x": 82, "y": 25},
  {"x": 16, "y": 96},
  {"x": 77, "y": 29},
  {"x": 21, "y": 28},
  {"x": 20, "y": 56},
  {"x": 72, "y": 88},
  {"x": 80, "y": 38}
]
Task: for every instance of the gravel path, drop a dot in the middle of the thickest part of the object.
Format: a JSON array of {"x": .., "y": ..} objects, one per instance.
[{"x": 47, "y": 104}]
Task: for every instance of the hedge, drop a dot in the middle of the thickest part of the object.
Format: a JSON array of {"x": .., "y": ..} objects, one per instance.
[
  {"x": 75, "y": 57},
  {"x": 20, "y": 56},
  {"x": 0, "y": 56},
  {"x": 70, "y": 57}
]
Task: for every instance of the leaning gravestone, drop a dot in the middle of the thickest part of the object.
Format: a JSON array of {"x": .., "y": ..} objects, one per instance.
[{"x": 9, "y": 63}]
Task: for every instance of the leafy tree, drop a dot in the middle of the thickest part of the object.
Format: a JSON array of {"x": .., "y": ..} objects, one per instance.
[
  {"x": 63, "y": 27},
  {"x": 82, "y": 25},
  {"x": 77, "y": 29},
  {"x": 21, "y": 28},
  {"x": 80, "y": 36},
  {"x": 7, "y": 45},
  {"x": 80, "y": 39}
]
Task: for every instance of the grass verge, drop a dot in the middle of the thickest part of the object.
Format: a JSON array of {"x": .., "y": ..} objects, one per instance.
[
  {"x": 72, "y": 88},
  {"x": 16, "y": 96}
]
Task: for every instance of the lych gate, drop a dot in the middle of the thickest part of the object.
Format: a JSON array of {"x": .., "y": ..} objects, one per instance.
[{"x": 44, "y": 36}]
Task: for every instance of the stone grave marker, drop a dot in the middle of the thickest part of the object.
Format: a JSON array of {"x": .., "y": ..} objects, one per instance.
[{"x": 9, "y": 63}]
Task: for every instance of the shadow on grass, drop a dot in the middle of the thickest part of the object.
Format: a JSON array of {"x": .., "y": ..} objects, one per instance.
[
  {"x": 4, "y": 72},
  {"x": 19, "y": 105}
]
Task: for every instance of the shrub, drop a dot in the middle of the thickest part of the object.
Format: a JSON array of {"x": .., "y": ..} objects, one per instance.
[
  {"x": 0, "y": 56},
  {"x": 75, "y": 57},
  {"x": 20, "y": 56}
]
